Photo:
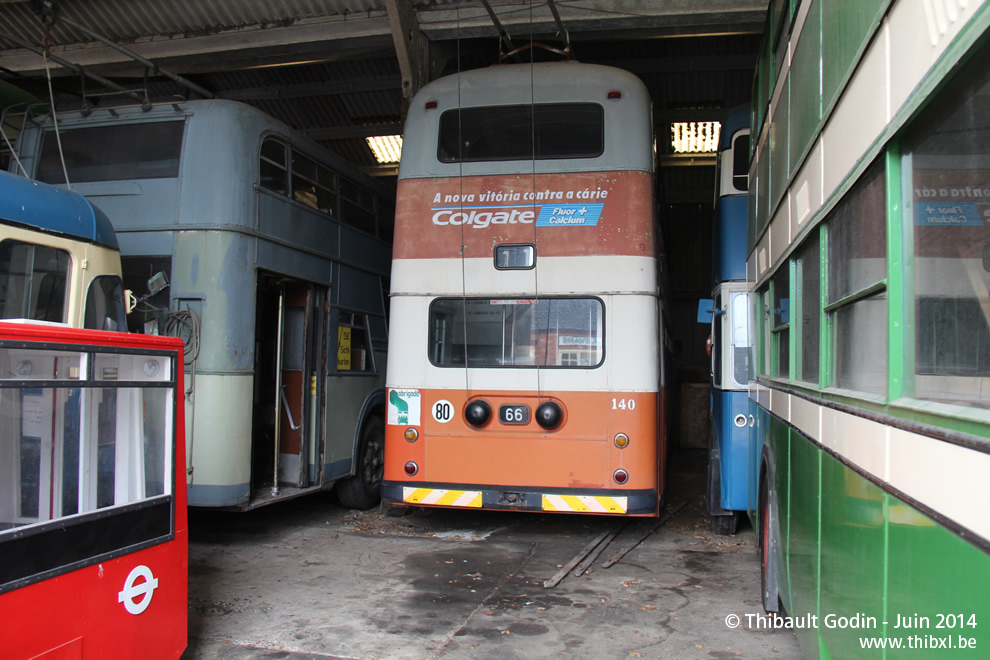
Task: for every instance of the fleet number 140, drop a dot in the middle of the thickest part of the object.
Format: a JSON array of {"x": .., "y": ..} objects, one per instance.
[{"x": 623, "y": 404}]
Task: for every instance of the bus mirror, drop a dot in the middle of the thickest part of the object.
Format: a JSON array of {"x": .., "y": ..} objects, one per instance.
[
  {"x": 157, "y": 284},
  {"x": 706, "y": 308}
]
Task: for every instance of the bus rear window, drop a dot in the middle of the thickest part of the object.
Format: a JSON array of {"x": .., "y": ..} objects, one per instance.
[
  {"x": 545, "y": 332},
  {"x": 109, "y": 153},
  {"x": 522, "y": 132}
]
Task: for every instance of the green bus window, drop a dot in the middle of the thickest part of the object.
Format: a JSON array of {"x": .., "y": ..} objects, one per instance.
[
  {"x": 780, "y": 322},
  {"x": 857, "y": 300},
  {"x": 809, "y": 261},
  {"x": 948, "y": 178}
]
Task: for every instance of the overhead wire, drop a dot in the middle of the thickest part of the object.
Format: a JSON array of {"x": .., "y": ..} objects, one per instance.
[{"x": 46, "y": 44}]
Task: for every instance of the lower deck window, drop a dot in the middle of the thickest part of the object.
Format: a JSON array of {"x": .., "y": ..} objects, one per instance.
[
  {"x": 544, "y": 332},
  {"x": 354, "y": 352},
  {"x": 69, "y": 445},
  {"x": 33, "y": 281},
  {"x": 105, "y": 309}
]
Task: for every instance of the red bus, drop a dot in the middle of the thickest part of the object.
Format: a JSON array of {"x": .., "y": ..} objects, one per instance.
[
  {"x": 93, "y": 530},
  {"x": 526, "y": 368}
]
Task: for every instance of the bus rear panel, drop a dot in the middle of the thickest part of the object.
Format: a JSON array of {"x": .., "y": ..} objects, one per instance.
[{"x": 525, "y": 363}]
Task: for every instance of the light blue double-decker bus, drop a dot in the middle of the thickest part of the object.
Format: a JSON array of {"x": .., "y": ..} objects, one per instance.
[{"x": 275, "y": 257}]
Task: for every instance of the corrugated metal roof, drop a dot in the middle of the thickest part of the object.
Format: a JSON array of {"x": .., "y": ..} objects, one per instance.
[
  {"x": 126, "y": 20},
  {"x": 333, "y": 99}
]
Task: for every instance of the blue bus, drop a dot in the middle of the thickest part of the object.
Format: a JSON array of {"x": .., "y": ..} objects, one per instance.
[
  {"x": 730, "y": 461},
  {"x": 59, "y": 259}
]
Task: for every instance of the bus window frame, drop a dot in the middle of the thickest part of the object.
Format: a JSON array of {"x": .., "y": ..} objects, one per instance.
[
  {"x": 602, "y": 336},
  {"x": 446, "y": 156},
  {"x": 67, "y": 543}
]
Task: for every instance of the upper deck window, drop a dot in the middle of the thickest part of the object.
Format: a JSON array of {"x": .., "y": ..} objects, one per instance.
[
  {"x": 522, "y": 132},
  {"x": 740, "y": 163},
  {"x": 147, "y": 150}
]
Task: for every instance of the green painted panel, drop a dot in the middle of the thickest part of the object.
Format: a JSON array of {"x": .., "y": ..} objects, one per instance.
[
  {"x": 780, "y": 448},
  {"x": 853, "y": 551},
  {"x": 931, "y": 572},
  {"x": 779, "y": 128},
  {"x": 806, "y": 78},
  {"x": 847, "y": 26},
  {"x": 803, "y": 534}
]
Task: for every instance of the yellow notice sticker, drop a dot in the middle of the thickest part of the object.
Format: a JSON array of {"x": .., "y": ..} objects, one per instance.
[{"x": 343, "y": 349}]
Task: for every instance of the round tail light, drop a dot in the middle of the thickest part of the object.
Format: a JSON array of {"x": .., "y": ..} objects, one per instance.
[
  {"x": 620, "y": 477},
  {"x": 411, "y": 434},
  {"x": 477, "y": 413},
  {"x": 411, "y": 468},
  {"x": 549, "y": 415}
]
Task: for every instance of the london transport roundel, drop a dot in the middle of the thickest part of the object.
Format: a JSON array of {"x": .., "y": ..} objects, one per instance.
[{"x": 143, "y": 591}]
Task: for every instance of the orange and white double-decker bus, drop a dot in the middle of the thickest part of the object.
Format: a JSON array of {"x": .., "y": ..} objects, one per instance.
[{"x": 525, "y": 351}]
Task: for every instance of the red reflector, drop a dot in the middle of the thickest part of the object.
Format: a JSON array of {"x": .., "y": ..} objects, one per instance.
[
  {"x": 620, "y": 476},
  {"x": 411, "y": 468},
  {"x": 430, "y": 105},
  {"x": 615, "y": 95}
]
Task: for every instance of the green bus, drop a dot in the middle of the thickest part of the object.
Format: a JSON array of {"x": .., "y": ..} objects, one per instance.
[{"x": 869, "y": 264}]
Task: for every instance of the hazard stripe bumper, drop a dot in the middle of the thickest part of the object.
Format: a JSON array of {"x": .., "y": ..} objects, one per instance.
[
  {"x": 596, "y": 501},
  {"x": 585, "y": 503},
  {"x": 442, "y": 497}
]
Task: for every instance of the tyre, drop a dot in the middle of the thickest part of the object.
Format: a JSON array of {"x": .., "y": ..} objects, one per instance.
[
  {"x": 363, "y": 490},
  {"x": 725, "y": 525}
]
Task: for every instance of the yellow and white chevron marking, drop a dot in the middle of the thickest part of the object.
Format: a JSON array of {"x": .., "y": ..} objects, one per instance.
[
  {"x": 442, "y": 497},
  {"x": 585, "y": 503}
]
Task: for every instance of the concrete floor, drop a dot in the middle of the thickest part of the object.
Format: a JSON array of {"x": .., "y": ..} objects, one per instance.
[{"x": 309, "y": 579}]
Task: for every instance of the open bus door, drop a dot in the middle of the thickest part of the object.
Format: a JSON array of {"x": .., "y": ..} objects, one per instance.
[{"x": 287, "y": 388}]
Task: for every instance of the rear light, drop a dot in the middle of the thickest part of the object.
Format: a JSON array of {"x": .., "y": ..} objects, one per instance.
[
  {"x": 620, "y": 477},
  {"x": 412, "y": 435},
  {"x": 477, "y": 413},
  {"x": 621, "y": 440},
  {"x": 549, "y": 415},
  {"x": 615, "y": 95},
  {"x": 411, "y": 468},
  {"x": 430, "y": 105}
]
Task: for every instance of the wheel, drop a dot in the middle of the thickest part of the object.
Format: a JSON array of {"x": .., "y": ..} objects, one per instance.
[
  {"x": 725, "y": 525},
  {"x": 363, "y": 490}
]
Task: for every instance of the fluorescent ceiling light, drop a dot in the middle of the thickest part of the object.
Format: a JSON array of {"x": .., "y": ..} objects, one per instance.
[
  {"x": 694, "y": 137},
  {"x": 387, "y": 148}
]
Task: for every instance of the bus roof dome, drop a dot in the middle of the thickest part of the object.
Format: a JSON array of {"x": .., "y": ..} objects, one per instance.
[{"x": 49, "y": 208}]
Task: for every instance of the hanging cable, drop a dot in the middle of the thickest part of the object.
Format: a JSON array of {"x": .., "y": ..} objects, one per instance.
[
  {"x": 48, "y": 20},
  {"x": 184, "y": 324},
  {"x": 58, "y": 134}
]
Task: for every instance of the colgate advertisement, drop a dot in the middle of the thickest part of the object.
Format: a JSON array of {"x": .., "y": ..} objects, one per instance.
[{"x": 562, "y": 214}]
